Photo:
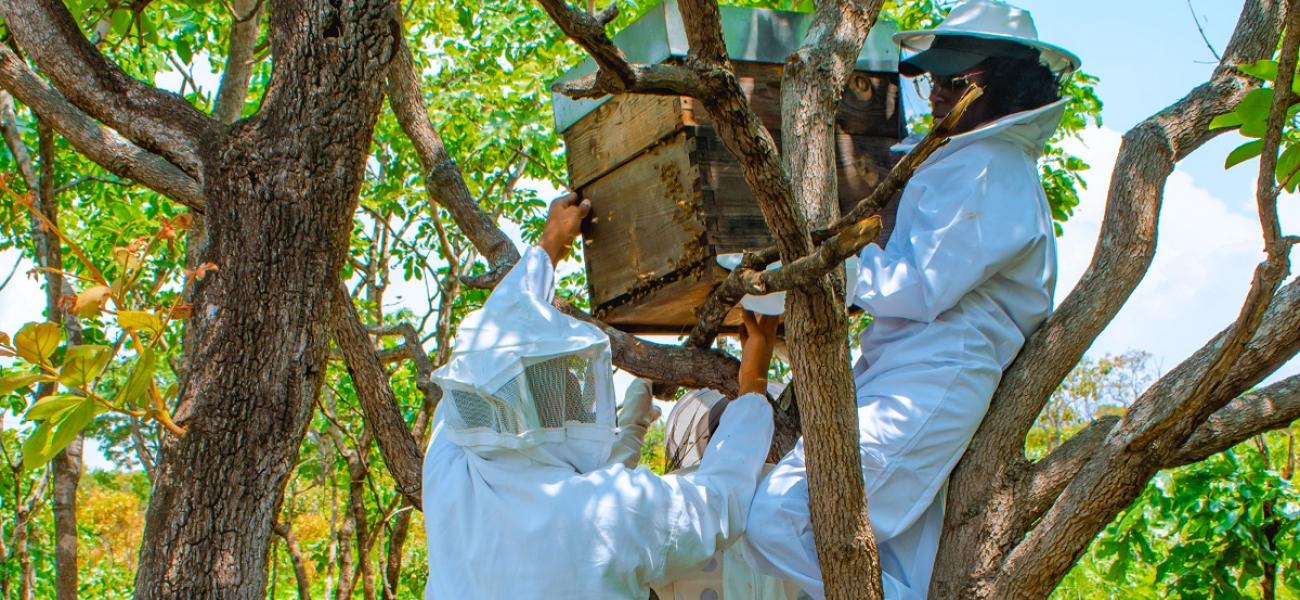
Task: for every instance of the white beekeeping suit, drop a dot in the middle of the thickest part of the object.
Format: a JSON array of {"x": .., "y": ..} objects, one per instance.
[
  {"x": 523, "y": 496},
  {"x": 966, "y": 276},
  {"x": 728, "y": 575}
]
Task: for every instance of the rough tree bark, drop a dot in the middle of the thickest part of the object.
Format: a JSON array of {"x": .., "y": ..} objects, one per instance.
[{"x": 279, "y": 191}]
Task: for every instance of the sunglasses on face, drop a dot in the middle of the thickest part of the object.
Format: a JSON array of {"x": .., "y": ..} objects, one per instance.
[{"x": 926, "y": 83}]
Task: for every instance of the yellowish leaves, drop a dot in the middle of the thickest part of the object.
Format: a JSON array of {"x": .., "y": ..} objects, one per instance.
[
  {"x": 139, "y": 320},
  {"x": 58, "y": 430},
  {"x": 138, "y": 382},
  {"x": 36, "y": 342},
  {"x": 91, "y": 302},
  {"x": 53, "y": 407},
  {"x": 82, "y": 364},
  {"x": 13, "y": 383}
]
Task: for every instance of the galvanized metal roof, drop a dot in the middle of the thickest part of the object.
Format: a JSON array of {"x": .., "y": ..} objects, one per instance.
[{"x": 751, "y": 34}]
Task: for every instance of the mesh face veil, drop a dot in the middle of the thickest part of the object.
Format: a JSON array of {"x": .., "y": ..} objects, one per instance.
[{"x": 526, "y": 379}]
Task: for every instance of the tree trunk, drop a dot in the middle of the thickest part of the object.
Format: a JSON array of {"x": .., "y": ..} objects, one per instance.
[
  {"x": 66, "y": 474},
  {"x": 281, "y": 188},
  {"x": 295, "y": 557},
  {"x": 65, "y": 469}
]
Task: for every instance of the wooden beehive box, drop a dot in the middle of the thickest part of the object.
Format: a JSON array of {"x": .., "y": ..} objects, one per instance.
[{"x": 667, "y": 198}]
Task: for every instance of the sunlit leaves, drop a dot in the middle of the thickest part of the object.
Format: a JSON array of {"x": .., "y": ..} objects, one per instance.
[
  {"x": 55, "y": 433},
  {"x": 1250, "y": 119},
  {"x": 36, "y": 342},
  {"x": 12, "y": 383},
  {"x": 82, "y": 364},
  {"x": 139, "y": 321},
  {"x": 138, "y": 382},
  {"x": 53, "y": 407},
  {"x": 90, "y": 302}
]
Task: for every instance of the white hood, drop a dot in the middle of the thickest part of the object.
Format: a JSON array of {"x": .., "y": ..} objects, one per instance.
[
  {"x": 501, "y": 403},
  {"x": 1030, "y": 130}
]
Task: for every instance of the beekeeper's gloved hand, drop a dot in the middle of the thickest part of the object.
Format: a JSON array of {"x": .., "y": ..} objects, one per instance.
[{"x": 634, "y": 418}]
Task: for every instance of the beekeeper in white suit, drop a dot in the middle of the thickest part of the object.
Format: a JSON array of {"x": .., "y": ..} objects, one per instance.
[
  {"x": 966, "y": 276},
  {"x": 526, "y": 489}
]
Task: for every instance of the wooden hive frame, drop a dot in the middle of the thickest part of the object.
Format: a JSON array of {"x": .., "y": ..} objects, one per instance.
[{"x": 668, "y": 198}]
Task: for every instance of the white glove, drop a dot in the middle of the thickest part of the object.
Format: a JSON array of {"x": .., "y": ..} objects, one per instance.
[{"x": 634, "y": 418}]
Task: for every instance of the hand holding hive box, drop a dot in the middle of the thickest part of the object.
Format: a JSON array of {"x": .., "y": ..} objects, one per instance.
[{"x": 667, "y": 196}]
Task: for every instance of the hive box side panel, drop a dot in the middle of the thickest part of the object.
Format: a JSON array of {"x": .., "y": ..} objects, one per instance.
[
  {"x": 870, "y": 106},
  {"x": 734, "y": 219},
  {"x": 645, "y": 223},
  {"x": 618, "y": 131}
]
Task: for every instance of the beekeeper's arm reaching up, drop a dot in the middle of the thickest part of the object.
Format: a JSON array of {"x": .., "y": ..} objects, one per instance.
[
  {"x": 521, "y": 499},
  {"x": 698, "y": 513}
]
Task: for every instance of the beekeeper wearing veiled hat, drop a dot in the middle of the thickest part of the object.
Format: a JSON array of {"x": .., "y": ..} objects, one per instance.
[
  {"x": 966, "y": 276},
  {"x": 527, "y": 492}
]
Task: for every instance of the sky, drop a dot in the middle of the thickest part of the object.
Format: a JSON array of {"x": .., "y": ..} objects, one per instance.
[{"x": 1147, "y": 54}]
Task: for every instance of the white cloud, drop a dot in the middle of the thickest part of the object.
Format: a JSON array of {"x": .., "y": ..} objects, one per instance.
[{"x": 1205, "y": 255}]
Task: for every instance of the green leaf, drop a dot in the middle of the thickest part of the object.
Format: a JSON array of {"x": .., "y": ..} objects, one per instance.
[
  {"x": 1244, "y": 153},
  {"x": 54, "y": 435},
  {"x": 52, "y": 407},
  {"x": 140, "y": 320},
  {"x": 1288, "y": 167},
  {"x": 36, "y": 342},
  {"x": 121, "y": 21},
  {"x": 1261, "y": 69},
  {"x": 10, "y": 384},
  {"x": 1232, "y": 119},
  {"x": 184, "y": 51},
  {"x": 82, "y": 364},
  {"x": 138, "y": 382},
  {"x": 1255, "y": 106}
]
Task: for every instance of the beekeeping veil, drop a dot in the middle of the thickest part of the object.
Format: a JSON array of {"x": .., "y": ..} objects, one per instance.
[{"x": 526, "y": 380}]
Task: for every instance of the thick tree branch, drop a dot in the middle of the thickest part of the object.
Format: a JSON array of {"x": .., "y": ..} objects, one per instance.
[
  {"x": 811, "y": 89},
  {"x": 588, "y": 30},
  {"x": 401, "y": 453},
  {"x": 239, "y": 61},
  {"x": 975, "y": 539},
  {"x": 1114, "y": 474},
  {"x": 443, "y": 180},
  {"x": 1269, "y": 408},
  {"x": 158, "y": 121},
  {"x": 663, "y": 80},
  {"x": 98, "y": 143},
  {"x": 1184, "y": 416},
  {"x": 673, "y": 365}
]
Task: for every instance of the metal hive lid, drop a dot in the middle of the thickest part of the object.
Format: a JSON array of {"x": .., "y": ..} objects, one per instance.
[{"x": 751, "y": 34}]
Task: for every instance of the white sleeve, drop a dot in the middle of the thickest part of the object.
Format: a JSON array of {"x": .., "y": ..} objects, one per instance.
[
  {"x": 970, "y": 218},
  {"x": 681, "y": 520}
]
